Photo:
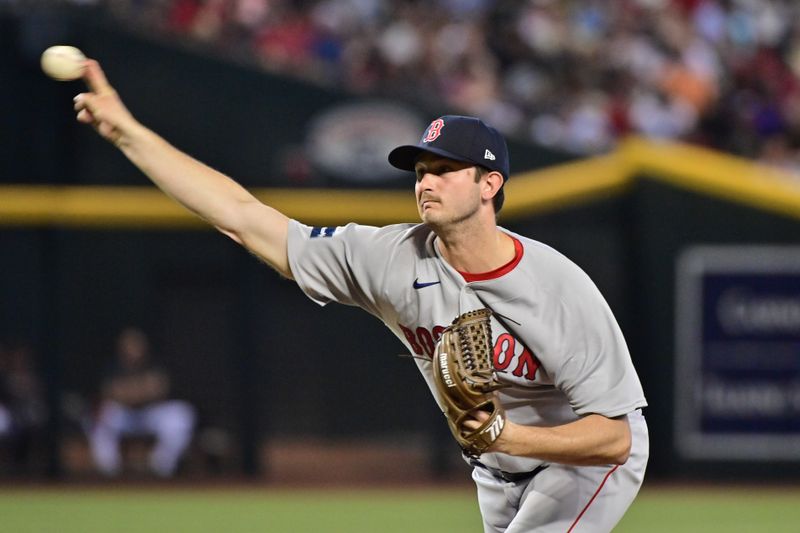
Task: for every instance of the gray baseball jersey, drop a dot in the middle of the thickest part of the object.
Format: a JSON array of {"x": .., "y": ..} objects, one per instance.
[{"x": 556, "y": 342}]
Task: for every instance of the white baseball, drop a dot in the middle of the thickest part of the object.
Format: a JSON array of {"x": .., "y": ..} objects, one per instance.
[{"x": 63, "y": 63}]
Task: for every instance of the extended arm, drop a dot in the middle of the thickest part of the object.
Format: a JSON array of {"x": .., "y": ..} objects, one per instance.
[{"x": 208, "y": 193}]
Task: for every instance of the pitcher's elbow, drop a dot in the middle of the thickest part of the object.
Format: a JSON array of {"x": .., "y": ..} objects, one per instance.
[
  {"x": 232, "y": 234},
  {"x": 622, "y": 452}
]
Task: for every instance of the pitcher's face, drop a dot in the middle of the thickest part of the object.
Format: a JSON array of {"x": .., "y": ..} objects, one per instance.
[{"x": 446, "y": 190}]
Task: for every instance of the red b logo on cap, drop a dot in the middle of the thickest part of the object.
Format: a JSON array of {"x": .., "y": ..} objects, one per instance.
[{"x": 434, "y": 130}]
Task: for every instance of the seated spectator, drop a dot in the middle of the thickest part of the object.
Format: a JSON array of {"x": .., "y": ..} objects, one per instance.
[{"x": 135, "y": 402}]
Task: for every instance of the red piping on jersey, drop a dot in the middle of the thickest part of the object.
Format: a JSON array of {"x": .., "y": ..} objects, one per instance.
[
  {"x": 497, "y": 272},
  {"x": 592, "y": 499}
]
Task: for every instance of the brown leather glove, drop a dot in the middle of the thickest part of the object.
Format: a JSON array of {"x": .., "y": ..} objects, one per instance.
[{"x": 465, "y": 380}]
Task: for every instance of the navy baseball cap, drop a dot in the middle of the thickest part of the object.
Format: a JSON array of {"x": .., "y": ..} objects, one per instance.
[{"x": 466, "y": 139}]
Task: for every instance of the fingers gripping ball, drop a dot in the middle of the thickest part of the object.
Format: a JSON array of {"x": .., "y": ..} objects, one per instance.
[
  {"x": 465, "y": 380},
  {"x": 63, "y": 63}
]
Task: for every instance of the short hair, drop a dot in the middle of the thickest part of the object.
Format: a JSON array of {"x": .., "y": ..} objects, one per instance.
[{"x": 500, "y": 195}]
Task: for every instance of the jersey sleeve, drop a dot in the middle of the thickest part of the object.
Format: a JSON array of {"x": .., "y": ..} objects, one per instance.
[
  {"x": 345, "y": 264},
  {"x": 596, "y": 372}
]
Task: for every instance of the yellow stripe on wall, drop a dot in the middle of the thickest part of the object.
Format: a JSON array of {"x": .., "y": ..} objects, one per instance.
[
  {"x": 148, "y": 207},
  {"x": 566, "y": 184},
  {"x": 716, "y": 174},
  {"x": 527, "y": 194}
]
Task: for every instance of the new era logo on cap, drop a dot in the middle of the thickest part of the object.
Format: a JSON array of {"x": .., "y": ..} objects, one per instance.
[{"x": 466, "y": 139}]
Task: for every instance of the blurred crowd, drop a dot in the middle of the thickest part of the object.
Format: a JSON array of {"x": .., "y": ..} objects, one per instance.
[
  {"x": 132, "y": 401},
  {"x": 573, "y": 74}
]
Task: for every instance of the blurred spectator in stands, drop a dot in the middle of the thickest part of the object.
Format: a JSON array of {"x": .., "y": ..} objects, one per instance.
[
  {"x": 23, "y": 410},
  {"x": 573, "y": 74},
  {"x": 135, "y": 402}
]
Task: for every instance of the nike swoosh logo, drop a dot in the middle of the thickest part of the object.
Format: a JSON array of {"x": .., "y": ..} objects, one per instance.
[{"x": 418, "y": 285}]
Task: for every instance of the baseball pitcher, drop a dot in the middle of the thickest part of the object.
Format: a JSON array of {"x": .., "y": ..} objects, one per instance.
[{"x": 517, "y": 345}]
